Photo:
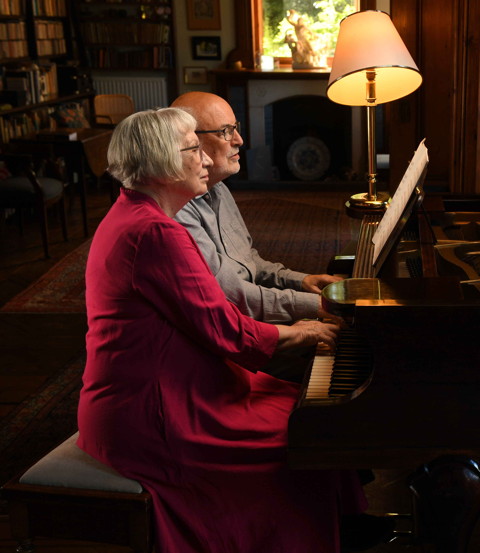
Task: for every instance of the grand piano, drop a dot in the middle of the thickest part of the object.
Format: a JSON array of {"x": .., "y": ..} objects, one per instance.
[{"x": 402, "y": 389}]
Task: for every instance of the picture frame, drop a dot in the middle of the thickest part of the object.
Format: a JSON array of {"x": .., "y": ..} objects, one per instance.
[
  {"x": 195, "y": 75},
  {"x": 203, "y": 15},
  {"x": 206, "y": 48}
]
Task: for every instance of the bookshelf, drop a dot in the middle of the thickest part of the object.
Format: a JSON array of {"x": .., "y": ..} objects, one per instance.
[
  {"x": 127, "y": 35},
  {"x": 20, "y": 121},
  {"x": 13, "y": 30},
  {"x": 37, "y": 42},
  {"x": 32, "y": 29}
]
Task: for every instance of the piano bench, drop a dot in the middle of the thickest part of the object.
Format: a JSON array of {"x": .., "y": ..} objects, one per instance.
[{"x": 68, "y": 495}]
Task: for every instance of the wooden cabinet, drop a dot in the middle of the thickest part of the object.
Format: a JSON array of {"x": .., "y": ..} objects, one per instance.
[{"x": 127, "y": 35}]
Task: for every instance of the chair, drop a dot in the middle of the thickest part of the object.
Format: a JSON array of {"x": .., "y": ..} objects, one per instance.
[
  {"x": 68, "y": 495},
  {"x": 35, "y": 183},
  {"x": 110, "y": 109}
]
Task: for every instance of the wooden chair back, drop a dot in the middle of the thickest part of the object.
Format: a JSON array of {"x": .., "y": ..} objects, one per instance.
[{"x": 110, "y": 109}]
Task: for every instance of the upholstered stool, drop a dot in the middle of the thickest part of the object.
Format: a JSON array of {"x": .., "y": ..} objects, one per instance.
[{"x": 70, "y": 495}]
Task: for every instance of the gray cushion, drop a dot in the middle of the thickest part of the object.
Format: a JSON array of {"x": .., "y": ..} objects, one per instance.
[
  {"x": 19, "y": 190},
  {"x": 70, "y": 467}
]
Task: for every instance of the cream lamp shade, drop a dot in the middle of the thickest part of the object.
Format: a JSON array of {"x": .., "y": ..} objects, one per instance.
[{"x": 368, "y": 41}]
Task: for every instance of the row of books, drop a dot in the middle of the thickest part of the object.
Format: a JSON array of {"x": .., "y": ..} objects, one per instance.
[
  {"x": 13, "y": 30},
  {"x": 19, "y": 48},
  {"x": 51, "y": 8},
  {"x": 51, "y": 47},
  {"x": 126, "y": 33},
  {"x": 21, "y": 124},
  {"x": 13, "y": 49},
  {"x": 48, "y": 29},
  {"x": 155, "y": 57},
  {"x": 12, "y": 7},
  {"x": 50, "y": 39},
  {"x": 33, "y": 84}
]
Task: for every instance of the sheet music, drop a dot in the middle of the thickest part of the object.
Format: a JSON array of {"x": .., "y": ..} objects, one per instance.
[{"x": 400, "y": 198}]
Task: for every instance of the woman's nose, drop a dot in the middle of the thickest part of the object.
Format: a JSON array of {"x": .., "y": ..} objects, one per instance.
[{"x": 206, "y": 160}]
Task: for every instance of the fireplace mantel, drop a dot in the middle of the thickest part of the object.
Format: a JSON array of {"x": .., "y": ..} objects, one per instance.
[
  {"x": 281, "y": 73},
  {"x": 249, "y": 91}
]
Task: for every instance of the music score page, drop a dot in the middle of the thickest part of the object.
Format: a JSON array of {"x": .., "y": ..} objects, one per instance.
[{"x": 400, "y": 198}]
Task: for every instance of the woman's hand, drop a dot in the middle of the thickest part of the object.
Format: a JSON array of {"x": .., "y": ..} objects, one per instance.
[
  {"x": 306, "y": 333},
  {"x": 322, "y": 314}
]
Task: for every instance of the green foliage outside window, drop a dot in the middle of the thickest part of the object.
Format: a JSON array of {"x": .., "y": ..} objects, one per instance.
[{"x": 321, "y": 16}]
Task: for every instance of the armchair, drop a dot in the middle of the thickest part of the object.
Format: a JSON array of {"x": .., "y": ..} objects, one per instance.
[{"x": 31, "y": 185}]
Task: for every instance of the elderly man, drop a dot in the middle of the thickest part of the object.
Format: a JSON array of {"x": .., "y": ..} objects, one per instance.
[{"x": 265, "y": 290}]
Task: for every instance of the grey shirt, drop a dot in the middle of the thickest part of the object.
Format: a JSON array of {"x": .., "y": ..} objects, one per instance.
[{"x": 261, "y": 289}]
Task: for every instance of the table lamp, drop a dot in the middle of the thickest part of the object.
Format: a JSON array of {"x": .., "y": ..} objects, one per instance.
[{"x": 371, "y": 66}]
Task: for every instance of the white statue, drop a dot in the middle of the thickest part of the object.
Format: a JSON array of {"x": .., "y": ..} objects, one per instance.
[{"x": 305, "y": 44}]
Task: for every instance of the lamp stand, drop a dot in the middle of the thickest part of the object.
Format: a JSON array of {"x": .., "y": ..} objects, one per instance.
[{"x": 372, "y": 199}]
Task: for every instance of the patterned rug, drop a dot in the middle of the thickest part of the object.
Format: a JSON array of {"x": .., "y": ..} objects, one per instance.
[
  {"x": 59, "y": 290},
  {"x": 302, "y": 236},
  {"x": 42, "y": 421}
]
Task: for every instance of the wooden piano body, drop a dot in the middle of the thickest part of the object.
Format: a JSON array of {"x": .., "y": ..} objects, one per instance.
[{"x": 422, "y": 399}]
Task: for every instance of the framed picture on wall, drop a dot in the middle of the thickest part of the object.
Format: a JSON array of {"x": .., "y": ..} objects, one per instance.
[
  {"x": 206, "y": 48},
  {"x": 203, "y": 15},
  {"x": 195, "y": 75}
]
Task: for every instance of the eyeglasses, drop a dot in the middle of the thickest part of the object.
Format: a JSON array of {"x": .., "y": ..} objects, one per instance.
[
  {"x": 195, "y": 149},
  {"x": 227, "y": 131}
]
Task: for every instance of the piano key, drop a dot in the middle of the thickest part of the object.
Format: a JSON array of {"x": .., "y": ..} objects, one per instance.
[{"x": 340, "y": 372}]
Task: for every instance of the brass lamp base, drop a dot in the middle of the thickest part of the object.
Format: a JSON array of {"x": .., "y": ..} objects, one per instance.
[
  {"x": 363, "y": 200},
  {"x": 359, "y": 204}
]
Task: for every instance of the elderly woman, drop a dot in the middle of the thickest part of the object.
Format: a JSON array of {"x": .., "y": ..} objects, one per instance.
[{"x": 171, "y": 396}]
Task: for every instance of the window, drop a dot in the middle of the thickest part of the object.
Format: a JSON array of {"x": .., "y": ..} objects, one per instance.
[
  {"x": 249, "y": 26},
  {"x": 314, "y": 22}
]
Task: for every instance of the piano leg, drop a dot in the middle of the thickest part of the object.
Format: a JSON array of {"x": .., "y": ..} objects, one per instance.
[{"x": 446, "y": 502}]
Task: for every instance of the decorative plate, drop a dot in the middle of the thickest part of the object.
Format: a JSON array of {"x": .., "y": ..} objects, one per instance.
[{"x": 308, "y": 158}]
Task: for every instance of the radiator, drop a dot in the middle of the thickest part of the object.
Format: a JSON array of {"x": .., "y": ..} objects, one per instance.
[{"x": 146, "y": 92}]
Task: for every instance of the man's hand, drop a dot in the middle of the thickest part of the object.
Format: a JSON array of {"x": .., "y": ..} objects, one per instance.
[{"x": 315, "y": 283}]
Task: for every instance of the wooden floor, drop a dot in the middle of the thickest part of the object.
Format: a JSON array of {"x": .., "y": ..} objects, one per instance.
[{"x": 33, "y": 350}]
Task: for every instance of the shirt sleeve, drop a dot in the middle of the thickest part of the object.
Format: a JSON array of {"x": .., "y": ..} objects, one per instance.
[
  {"x": 181, "y": 286},
  {"x": 261, "y": 289}
]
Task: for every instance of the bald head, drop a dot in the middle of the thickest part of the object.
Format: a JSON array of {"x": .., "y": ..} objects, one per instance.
[
  {"x": 205, "y": 107},
  {"x": 213, "y": 113}
]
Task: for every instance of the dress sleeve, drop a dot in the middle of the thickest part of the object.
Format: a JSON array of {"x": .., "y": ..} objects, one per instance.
[{"x": 171, "y": 274}]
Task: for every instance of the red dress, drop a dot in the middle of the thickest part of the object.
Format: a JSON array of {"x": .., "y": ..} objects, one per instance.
[{"x": 166, "y": 401}]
